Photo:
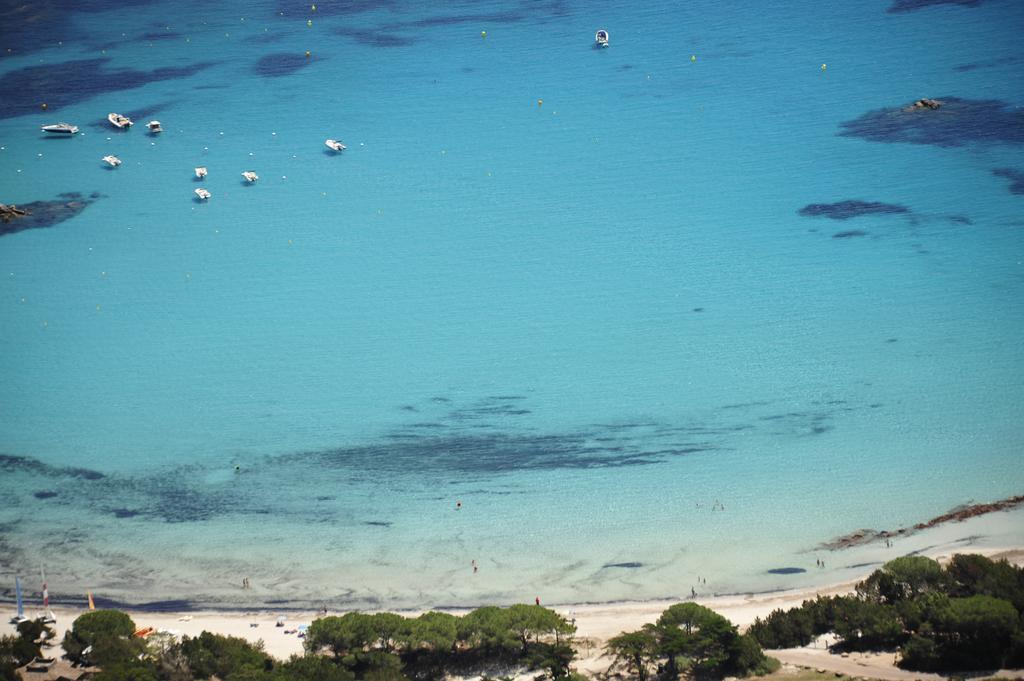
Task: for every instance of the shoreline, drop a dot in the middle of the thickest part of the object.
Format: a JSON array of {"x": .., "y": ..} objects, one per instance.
[
  {"x": 595, "y": 622},
  {"x": 980, "y": 528}
]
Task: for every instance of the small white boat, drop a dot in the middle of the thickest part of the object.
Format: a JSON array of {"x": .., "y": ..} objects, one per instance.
[
  {"x": 154, "y": 127},
  {"x": 202, "y": 194},
  {"x": 201, "y": 172},
  {"x": 250, "y": 176},
  {"x": 601, "y": 38},
  {"x": 61, "y": 128},
  {"x": 112, "y": 161},
  {"x": 119, "y": 121},
  {"x": 335, "y": 145}
]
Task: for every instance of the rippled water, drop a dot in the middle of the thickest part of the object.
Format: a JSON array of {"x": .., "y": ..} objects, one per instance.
[{"x": 690, "y": 305}]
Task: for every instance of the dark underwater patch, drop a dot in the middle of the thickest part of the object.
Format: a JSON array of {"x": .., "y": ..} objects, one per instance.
[
  {"x": 987, "y": 64},
  {"x": 70, "y": 82},
  {"x": 508, "y": 17},
  {"x": 960, "y": 219},
  {"x": 898, "y": 6},
  {"x": 26, "y": 464},
  {"x": 851, "y": 208},
  {"x": 281, "y": 64},
  {"x": 629, "y": 566},
  {"x": 958, "y": 122},
  {"x": 850, "y": 234},
  {"x": 375, "y": 37},
  {"x": 29, "y": 26},
  {"x": 378, "y": 523},
  {"x": 263, "y": 38},
  {"x": 45, "y": 214},
  {"x": 124, "y": 513},
  {"x": 44, "y": 494},
  {"x": 786, "y": 571},
  {"x": 1016, "y": 178},
  {"x": 332, "y": 7},
  {"x": 160, "y": 35}
]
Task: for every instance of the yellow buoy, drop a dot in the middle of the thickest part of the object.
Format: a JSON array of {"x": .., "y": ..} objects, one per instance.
[
  {"x": 309, "y": 22},
  {"x": 313, "y": 8},
  {"x": 307, "y": 54},
  {"x": 540, "y": 102},
  {"x": 44, "y": 106},
  {"x": 483, "y": 34},
  {"x": 693, "y": 57},
  {"x": 824, "y": 67}
]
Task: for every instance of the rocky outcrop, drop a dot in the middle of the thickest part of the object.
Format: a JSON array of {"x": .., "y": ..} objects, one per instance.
[
  {"x": 959, "y": 514},
  {"x": 8, "y": 213},
  {"x": 927, "y": 104},
  {"x": 43, "y": 213}
]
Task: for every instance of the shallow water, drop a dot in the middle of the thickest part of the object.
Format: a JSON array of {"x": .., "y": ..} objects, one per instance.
[{"x": 569, "y": 288}]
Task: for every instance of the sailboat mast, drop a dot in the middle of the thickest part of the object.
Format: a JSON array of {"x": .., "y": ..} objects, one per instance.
[{"x": 17, "y": 591}]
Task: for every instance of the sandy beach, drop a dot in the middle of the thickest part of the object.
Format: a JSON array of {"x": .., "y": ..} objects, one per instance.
[{"x": 595, "y": 623}]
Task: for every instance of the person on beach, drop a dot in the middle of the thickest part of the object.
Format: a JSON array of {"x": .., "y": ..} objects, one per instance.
[
  {"x": 474, "y": 566},
  {"x": 537, "y": 600},
  {"x": 693, "y": 592}
]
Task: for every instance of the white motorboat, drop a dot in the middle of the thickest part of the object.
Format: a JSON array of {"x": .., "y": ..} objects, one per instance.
[
  {"x": 154, "y": 127},
  {"x": 250, "y": 176},
  {"x": 60, "y": 128},
  {"x": 601, "y": 38},
  {"x": 335, "y": 145},
  {"x": 201, "y": 172},
  {"x": 112, "y": 161},
  {"x": 119, "y": 121},
  {"x": 202, "y": 194}
]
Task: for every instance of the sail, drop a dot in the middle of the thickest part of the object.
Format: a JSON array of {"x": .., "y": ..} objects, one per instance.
[{"x": 17, "y": 591}]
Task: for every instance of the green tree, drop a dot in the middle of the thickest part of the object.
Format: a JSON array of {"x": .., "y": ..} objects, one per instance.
[
  {"x": 127, "y": 670},
  {"x": 534, "y": 621},
  {"x": 436, "y": 631},
  {"x": 211, "y": 655},
  {"x": 353, "y": 631},
  {"x": 311, "y": 668},
  {"x": 489, "y": 630},
  {"x": 747, "y": 658},
  {"x": 902, "y": 578},
  {"x": 697, "y": 633},
  {"x": 13, "y": 654},
  {"x": 974, "y": 575},
  {"x": 634, "y": 651},
  {"x": 391, "y": 630},
  {"x": 95, "y": 627},
  {"x": 866, "y": 625}
]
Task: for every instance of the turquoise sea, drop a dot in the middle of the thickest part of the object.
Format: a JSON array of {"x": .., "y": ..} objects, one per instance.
[{"x": 601, "y": 320}]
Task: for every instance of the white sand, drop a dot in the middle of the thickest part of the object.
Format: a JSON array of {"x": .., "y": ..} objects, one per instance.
[{"x": 598, "y": 622}]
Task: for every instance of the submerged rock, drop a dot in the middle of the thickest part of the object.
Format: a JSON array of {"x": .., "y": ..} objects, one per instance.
[
  {"x": 866, "y": 536},
  {"x": 43, "y": 213}
]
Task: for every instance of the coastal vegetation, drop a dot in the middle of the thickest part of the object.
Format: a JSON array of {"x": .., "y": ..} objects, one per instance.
[
  {"x": 964, "y": 616},
  {"x": 688, "y": 638},
  {"x": 490, "y": 642}
]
